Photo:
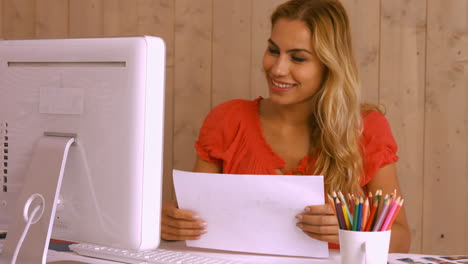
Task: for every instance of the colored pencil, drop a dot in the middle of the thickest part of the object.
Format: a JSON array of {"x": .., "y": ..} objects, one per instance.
[
  {"x": 334, "y": 195},
  {"x": 351, "y": 203},
  {"x": 382, "y": 215},
  {"x": 331, "y": 203},
  {"x": 371, "y": 217},
  {"x": 356, "y": 215},
  {"x": 369, "y": 212},
  {"x": 360, "y": 214},
  {"x": 395, "y": 214},
  {"x": 343, "y": 200},
  {"x": 346, "y": 217},
  {"x": 365, "y": 214},
  {"x": 390, "y": 213},
  {"x": 339, "y": 212},
  {"x": 378, "y": 196}
]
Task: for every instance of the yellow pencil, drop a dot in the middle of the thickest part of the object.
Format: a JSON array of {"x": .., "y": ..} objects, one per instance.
[
  {"x": 346, "y": 217},
  {"x": 343, "y": 200}
]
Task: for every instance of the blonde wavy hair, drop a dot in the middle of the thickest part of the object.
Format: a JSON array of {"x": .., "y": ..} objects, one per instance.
[{"x": 336, "y": 119}]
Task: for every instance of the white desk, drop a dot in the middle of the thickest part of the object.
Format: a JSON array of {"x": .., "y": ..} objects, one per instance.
[
  {"x": 58, "y": 257},
  {"x": 180, "y": 246}
]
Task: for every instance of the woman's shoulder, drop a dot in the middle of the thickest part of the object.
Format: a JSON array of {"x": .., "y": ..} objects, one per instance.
[
  {"x": 373, "y": 117},
  {"x": 236, "y": 105},
  {"x": 375, "y": 121},
  {"x": 379, "y": 145},
  {"x": 377, "y": 134},
  {"x": 230, "y": 114},
  {"x": 233, "y": 111},
  {"x": 223, "y": 125}
]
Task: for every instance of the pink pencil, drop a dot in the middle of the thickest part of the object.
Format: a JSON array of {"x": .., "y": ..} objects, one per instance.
[
  {"x": 395, "y": 214},
  {"x": 390, "y": 214}
]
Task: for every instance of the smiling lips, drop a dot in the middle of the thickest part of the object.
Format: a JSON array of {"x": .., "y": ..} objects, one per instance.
[{"x": 280, "y": 86}]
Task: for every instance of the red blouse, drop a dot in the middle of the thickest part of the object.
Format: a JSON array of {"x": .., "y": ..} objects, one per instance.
[{"x": 231, "y": 136}]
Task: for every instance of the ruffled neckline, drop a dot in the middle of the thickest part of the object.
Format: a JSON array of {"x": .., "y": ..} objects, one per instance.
[{"x": 278, "y": 161}]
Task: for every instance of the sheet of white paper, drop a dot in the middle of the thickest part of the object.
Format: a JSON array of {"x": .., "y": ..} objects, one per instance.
[{"x": 252, "y": 213}]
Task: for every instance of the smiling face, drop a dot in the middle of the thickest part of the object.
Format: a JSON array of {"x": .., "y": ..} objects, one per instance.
[{"x": 293, "y": 70}]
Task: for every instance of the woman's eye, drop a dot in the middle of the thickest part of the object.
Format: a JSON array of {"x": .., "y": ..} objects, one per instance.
[
  {"x": 298, "y": 59},
  {"x": 273, "y": 51}
]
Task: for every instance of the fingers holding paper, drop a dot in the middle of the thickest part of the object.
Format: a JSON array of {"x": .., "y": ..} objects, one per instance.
[
  {"x": 178, "y": 224},
  {"x": 319, "y": 222}
]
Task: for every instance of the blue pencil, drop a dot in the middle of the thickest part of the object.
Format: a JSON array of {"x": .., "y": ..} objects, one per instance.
[{"x": 358, "y": 227}]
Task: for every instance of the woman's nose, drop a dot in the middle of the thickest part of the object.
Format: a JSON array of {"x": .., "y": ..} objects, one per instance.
[{"x": 280, "y": 67}]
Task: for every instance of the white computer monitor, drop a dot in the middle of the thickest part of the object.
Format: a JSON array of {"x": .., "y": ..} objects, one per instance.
[{"x": 108, "y": 95}]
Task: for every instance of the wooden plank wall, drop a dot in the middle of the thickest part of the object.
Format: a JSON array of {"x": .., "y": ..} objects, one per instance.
[
  {"x": 401, "y": 91},
  {"x": 412, "y": 55},
  {"x": 1, "y": 19},
  {"x": 446, "y": 127}
]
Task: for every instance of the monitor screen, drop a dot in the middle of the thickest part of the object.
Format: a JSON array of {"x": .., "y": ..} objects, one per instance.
[{"x": 107, "y": 94}]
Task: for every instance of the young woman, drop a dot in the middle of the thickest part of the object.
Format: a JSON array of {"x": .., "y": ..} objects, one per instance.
[{"x": 312, "y": 123}]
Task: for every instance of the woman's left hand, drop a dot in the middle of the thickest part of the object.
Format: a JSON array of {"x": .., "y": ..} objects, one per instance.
[{"x": 319, "y": 222}]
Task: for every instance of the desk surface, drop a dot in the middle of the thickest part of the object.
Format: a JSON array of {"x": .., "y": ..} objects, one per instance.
[{"x": 54, "y": 256}]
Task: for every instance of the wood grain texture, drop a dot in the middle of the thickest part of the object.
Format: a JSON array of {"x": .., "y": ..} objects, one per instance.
[
  {"x": 231, "y": 50},
  {"x": 86, "y": 18},
  {"x": 192, "y": 82},
  {"x": 51, "y": 19},
  {"x": 446, "y": 142},
  {"x": 2, "y": 17},
  {"x": 364, "y": 16},
  {"x": 19, "y": 18},
  {"x": 156, "y": 18},
  {"x": 120, "y": 18},
  {"x": 402, "y": 82}
]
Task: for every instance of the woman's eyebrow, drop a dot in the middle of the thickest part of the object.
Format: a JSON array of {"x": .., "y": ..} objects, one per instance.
[
  {"x": 272, "y": 43},
  {"x": 291, "y": 50}
]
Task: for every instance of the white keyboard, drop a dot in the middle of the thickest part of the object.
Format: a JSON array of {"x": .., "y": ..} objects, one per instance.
[{"x": 155, "y": 256}]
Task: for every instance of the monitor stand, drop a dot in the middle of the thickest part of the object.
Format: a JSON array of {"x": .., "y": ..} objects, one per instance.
[{"x": 41, "y": 190}]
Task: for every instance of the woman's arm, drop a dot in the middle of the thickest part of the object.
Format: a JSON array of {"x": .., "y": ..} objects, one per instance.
[
  {"x": 206, "y": 167},
  {"x": 386, "y": 179},
  {"x": 179, "y": 224}
]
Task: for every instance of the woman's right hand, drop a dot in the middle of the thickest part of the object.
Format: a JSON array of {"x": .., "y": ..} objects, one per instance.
[{"x": 178, "y": 224}]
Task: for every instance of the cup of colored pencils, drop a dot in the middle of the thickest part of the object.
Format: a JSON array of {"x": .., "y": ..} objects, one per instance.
[
  {"x": 366, "y": 214},
  {"x": 365, "y": 225}
]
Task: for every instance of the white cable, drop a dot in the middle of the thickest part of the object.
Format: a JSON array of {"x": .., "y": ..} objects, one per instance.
[{"x": 25, "y": 231}]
